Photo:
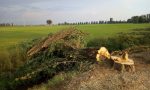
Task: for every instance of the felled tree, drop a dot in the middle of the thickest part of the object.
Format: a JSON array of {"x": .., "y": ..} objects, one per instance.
[
  {"x": 51, "y": 55},
  {"x": 70, "y": 37}
]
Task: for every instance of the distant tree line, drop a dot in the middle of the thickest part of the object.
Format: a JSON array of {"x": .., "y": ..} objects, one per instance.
[
  {"x": 134, "y": 19},
  {"x": 92, "y": 22},
  {"x": 6, "y": 24},
  {"x": 139, "y": 19}
]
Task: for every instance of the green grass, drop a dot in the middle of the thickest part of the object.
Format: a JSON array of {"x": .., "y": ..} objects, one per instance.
[
  {"x": 109, "y": 30},
  {"x": 10, "y": 36},
  {"x": 13, "y": 35}
]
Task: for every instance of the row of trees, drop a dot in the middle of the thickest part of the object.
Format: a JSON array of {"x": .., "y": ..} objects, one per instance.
[
  {"x": 139, "y": 19},
  {"x": 6, "y": 24},
  {"x": 134, "y": 19},
  {"x": 92, "y": 22}
]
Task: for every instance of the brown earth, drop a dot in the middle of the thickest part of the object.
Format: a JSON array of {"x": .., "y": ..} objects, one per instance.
[{"x": 102, "y": 77}]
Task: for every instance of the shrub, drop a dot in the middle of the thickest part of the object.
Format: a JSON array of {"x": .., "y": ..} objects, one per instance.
[{"x": 121, "y": 41}]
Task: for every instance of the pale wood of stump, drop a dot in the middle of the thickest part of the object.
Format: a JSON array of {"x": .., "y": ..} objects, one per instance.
[{"x": 122, "y": 65}]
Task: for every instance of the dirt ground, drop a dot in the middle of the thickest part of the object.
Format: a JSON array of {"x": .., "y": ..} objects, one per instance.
[{"x": 102, "y": 77}]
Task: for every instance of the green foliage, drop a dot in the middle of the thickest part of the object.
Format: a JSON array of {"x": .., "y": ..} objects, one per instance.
[
  {"x": 138, "y": 19},
  {"x": 56, "y": 82},
  {"x": 122, "y": 41},
  {"x": 49, "y": 22},
  {"x": 61, "y": 55},
  {"x": 145, "y": 39}
]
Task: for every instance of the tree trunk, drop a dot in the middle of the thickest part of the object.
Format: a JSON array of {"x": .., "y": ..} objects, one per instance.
[{"x": 123, "y": 65}]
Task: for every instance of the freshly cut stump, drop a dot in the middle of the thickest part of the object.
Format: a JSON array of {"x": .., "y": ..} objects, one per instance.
[{"x": 123, "y": 65}]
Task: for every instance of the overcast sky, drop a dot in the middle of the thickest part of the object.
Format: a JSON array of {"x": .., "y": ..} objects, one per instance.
[{"x": 38, "y": 11}]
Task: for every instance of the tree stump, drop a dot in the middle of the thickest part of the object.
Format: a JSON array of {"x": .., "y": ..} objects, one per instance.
[{"x": 122, "y": 65}]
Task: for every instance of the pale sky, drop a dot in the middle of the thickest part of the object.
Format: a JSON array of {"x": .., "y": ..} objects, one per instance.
[{"x": 38, "y": 11}]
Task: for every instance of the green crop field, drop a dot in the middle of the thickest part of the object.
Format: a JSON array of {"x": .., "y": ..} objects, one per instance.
[
  {"x": 11, "y": 59},
  {"x": 10, "y": 36}
]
